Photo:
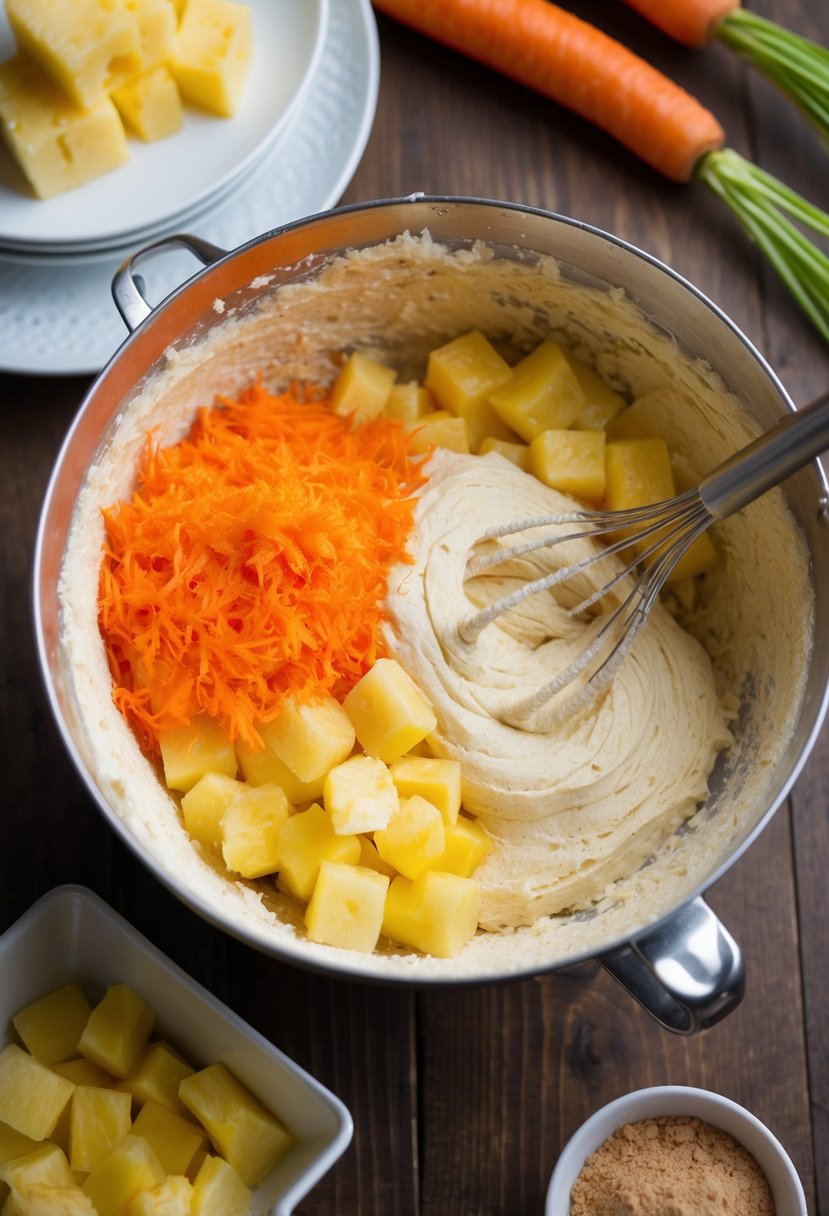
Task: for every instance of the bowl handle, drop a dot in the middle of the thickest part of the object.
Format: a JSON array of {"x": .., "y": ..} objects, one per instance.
[
  {"x": 688, "y": 972},
  {"x": 128, "y": 288}
]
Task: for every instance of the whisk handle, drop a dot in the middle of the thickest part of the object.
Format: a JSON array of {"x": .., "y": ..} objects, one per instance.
[{"x": 764, "y": 463}]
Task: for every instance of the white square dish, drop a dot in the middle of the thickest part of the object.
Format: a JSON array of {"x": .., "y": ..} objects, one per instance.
[{"x": 71, "y": 934}]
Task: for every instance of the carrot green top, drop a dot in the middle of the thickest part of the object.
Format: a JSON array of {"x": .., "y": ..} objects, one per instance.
[{"x": 252, "y": 562}]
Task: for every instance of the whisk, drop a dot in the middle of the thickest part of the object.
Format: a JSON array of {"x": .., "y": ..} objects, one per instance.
[{"x": 660, "y": 534}]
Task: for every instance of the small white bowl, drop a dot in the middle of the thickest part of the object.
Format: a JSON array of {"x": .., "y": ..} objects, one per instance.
[
  {"x": 662, "y": 1100},
  {"x": 71, "y": 934}
]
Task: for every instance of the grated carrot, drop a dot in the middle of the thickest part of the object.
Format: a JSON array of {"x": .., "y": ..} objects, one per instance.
[{"x": 251, "y": 562}]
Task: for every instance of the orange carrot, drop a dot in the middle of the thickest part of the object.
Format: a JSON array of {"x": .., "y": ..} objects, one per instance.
[
  {"x": 568, "y": 60},
  {"x": 251, "y": 563},
  {"x": 690, "y": 21}
]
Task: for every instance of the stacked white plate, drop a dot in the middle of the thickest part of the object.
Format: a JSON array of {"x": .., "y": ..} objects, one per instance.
[{"x": 289, "y": 151}]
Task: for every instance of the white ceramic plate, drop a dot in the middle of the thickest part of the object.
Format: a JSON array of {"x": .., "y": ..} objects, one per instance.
[
  {"x": 60, "y": 319},
  {"x": 162, "y": 180},
  {"x": 70, "y": 934}
]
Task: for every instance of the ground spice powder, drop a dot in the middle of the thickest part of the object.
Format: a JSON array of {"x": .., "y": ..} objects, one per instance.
[{"x": 676, "y": 1166}]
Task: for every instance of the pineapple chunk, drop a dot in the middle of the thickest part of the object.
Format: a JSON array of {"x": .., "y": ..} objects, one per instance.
[
  {"x": 156, "y": 24},
  {"x": 42, "y": 1200},
  {"x": 346, "y": 908},
  {"x": 57, "y": 144},
  {"x": 415, "y": 838},
  {"x": 250, "y": 830},
  {"x": 438, "y": 781},
  {"x": 643, "y": 419},
  {"x": 158, "y": 1076},
  {"x": 261, "y": 766},
  {"x": 51, "y": 1026},
  {"x": 14, "y": 1143},
  {"x": 370, "y": 859},
  {"x": 188, "y": 752},
  {"x": 205, "y": 805},
  {"x": 601, "y": 402},
  {"x": 467, "y": 844},
  {"x": 175, "y": 1140},
  {"x": 436, "y": 913},
  {"x": 150, "y": 104},
  {"x": 32, "y": 1097},
  {"x": 408, "y": 402},
  {"x": 172, "y": 1197},
  {"x": 213, "y": 53},
  {"x": 461, "y": 375},
  {"x": 88, "y": 47},
  {"x": 248, "y": 1136},
  {"x": 570, "y": 461},
  {"x": 388, "y": 711},
  {"x": 310, "y": 737},
  {"x": 131, "y": 1167},
  {"x": 542, "y": 393},
  {"x": 516, "y": 453},
  {"x": 440, "y": 429},
  {"x": 99, "y": 1119},
  {"x": 117, "y": 1030},
  {"x": 46, "y": 1164},
  {"x": 219, "y": 1191},
  {"x": 306, "y": 840},
  {"x": 362, "y": 388},
  {"x": 84, "y": 1072},
  {"x": 360, "y": 795}
]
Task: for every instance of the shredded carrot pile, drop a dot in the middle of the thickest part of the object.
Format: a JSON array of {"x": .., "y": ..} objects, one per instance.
[{"x": 252, "y": 562}]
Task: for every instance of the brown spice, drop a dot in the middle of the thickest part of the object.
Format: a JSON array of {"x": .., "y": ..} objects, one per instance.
[{"x": 676, "y": 1166}]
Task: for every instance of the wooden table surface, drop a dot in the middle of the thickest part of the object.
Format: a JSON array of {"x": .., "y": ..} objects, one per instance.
[{"x": 463, "y": 1099}]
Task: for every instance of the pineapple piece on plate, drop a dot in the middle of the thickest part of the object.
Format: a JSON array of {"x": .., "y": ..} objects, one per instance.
[
  {"x": 388, "y": 711},
  {"x": 157, "y": 23},
  {"x": 117, "y": 1031},
  {"x": 461, "y": 375},
  {"x": 310, "y": 737},
  {"x": 247, "y": 1135},
  {"x": 172, "y": 1197},
  {"x": 250, "y": 830},
  {"x": 362, "y": 388},
  {"x": 176, "y": 1140},
  {"x": 84, "y": 1072},
  {"x": 157, "y": 1076},
  {"x": 436, "y": 913},
  {"x": 38, "y": 1199},
  {"x": 212, "y": 55},
  {"x": 346, "y": 908},
  {"x": 131, "y": 1167},
  {"x": 51, "y": 1026},
  {"x": 415, "y": 839},
  {"x": 306, "y": 840},
  {"x": 205, "y": 805},
  {"x": 436, "y": 780},
  {"x": 32, "y": 1097},
  {"x": 14, "y": 1143},
  {"x": 99, "y": 1119},
  {"x": 46, "y": 1164},
  {"x": 219, "y": 1191},
  {"x": 150, "y": 104},
  {"x": 570, "y": 461},
  {"x": 467, "y": 845},
  {"x": 360, "y": 795},
  {"x": 88, "y": 47},
  {"x": 541, "y": 394}
]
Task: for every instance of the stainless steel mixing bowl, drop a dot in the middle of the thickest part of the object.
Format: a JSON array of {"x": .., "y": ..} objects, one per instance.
[{"x": 681, "y": 963}]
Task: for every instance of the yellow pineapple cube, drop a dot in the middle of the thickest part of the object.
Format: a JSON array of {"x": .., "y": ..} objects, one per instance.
[
  {"x": 45, "y": 1164},
  {"x": 247, "y": 1135},
  {"x": 157, "y": 1077},
  {"x": 438, "y": 781},
  {"x": 172, "y": 1197},
  {"x": 435, "y": 913},
  {"x": 213, "y": 53},
  {"x": 156, "y": 23},
  {"x": 415, "y": 838},
  {"x": 131, "y": 1167},
  {"x": 310, "y": 737},
  {"x": 32, "y": 1097},
  {"x": 571, "y": 461},
  {"x": 306, "y": 840},
  {"x": 57, "y": 144},
  {"x": 219, "y": 1191},
  {"x": 346, "y": 908},
  {"x": 88, "y": 47},
  {"x": 51, "y": 1026},
  {"x": 188, "y": 752},
  {"x": 150, "y": 104},
  {"x": 408, "y": 402},
  {"x": 117, "y": 1031},
  {"x": 370, "y": 859},
  {"x": 84, "y": 1072},
  {"x": 541, "y": 394},
  {"x": 360, "y": 795},
  {"x": 99, "y": 1119},
  {"x": 205, "y": 805},
  {"x": 261, "y": 766},
  {"x": 362, "y": 388},
  {"x": 14, "y": 1144},
  {"x": 601, "y": 402},
  {"x": 388, "y": 711},
  {"x": 39, "y": 1199},
  {"x": 199, "y": 1158},
  {"x": 642, "y": 419},
  {"x": 250, "y": 830},
  {"x": 468, "y": 843},
  {"x": 440, "y": 429},
  {"x": 176, "y": 1140},
  {"x": 516, "y": 453},
  {"x": 461, "y": 375}
]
